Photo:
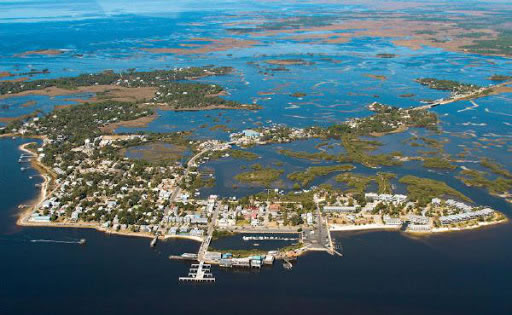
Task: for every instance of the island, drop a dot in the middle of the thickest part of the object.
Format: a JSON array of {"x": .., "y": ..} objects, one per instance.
[{"x": 93, "y": 180}]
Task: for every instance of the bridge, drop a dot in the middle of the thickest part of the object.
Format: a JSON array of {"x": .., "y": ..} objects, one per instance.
[{"x": 468, "y": 96}]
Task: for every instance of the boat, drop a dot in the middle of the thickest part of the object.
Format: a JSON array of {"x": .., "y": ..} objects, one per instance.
[
  {"x": 82, "y": 241},
  {"x": 287, "y": 265},
  {"x": 153, "y": 242}
]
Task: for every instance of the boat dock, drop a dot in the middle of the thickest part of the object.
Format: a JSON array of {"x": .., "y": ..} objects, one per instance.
[
  {"x": 200, "y": 272},
  {"x": 269, "y": 238},
  {"x": 185, "y": 256}
]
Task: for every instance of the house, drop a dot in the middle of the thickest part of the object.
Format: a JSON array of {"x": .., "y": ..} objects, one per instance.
[{"x": 249, "y": 133}]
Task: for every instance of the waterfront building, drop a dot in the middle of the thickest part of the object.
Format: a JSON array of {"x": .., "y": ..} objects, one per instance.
[
  {"x": 461, "y": 217},
  {"x": 343, "y": 209},
  {"x": 419, "y": 228},
  {"x": 36, "y": 217},
  {"x": 213, "y": 256},
  {"x": 249, "y": 133},
  {"x": 392, "y": 221},
  {"x": 418, "y": 219}
]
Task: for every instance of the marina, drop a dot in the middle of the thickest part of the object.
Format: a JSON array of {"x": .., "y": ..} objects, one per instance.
[{"x": 200, "y": 272}]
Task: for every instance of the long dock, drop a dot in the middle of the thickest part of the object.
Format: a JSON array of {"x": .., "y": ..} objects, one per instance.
[{"x": 201, "y": 272}]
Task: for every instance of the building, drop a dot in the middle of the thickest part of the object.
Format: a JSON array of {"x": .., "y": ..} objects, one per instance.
[
  {"x": 309, "y": 218},
  {"x": 419, "y": 228},
  {"x": 436, "y": 201},
  {"x": 249, "y": 133},
  {"x": 343, "y": 209},
  {"x": 36, "y": 217},
  {"x": 398, "y": 198},
  {"x": 418, "y": 219},
  {"x": 392, "y": 221},
  {"x": 213, "y": 256},
  {"x": 269, "y": 260},
  {"x": 461, "y": 217}
]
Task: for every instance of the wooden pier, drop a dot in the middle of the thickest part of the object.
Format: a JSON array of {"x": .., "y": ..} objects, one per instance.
[{"x": 200, "y": 272}]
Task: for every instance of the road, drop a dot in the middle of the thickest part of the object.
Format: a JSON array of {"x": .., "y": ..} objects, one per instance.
[
  {"x": 211, "y": 228},
  {"x": 468, "y": 96}
]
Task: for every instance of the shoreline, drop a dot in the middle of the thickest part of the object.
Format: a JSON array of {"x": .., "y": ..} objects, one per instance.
[
  {"x": 26, "y": 213},
  {"x": 433, "y": 231}
]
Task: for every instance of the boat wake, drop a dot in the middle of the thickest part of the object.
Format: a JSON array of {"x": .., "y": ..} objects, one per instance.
[{"x": 79, "y": 242}]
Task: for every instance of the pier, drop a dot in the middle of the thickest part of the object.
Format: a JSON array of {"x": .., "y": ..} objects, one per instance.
[{"x": 200, "y": 272}]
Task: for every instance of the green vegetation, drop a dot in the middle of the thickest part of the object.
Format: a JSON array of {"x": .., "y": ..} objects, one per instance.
[
  {"x": 384, "y": 55},
  {"x": 286, "y": 23},
  {"x": 309, "y": 175},
  {"x": 502, "y": 45},
  {"x": 476, "y": 178},
  {"x": 392, "y": 119},
  {"x": 438, "y": 162},
  {"x": 426, "y": 32},
  {"x": 447, "y": 85},
  {"x": 83, "y": 121},
  {"x": 500, "y": 77},
  {"x": 384, "y": 182},
  {"x": 356, "y": 153},
  {"x": 218, "y": 234},
  {"x": 192, "y": 96},
  {"x": 130, "y": 78},
  {"x": 244, "y": 155},
  {"x": 170, "y": 90},
  {"x": 359, "y": 182},
  {"x": 157, "y": 151},
  {"x": 495, "y": 168},
  {"x": 219, "y": 127},
  {"x": 241, "y": 253},
  {"x": 259, "y": 175},
  {"x": 424, "y": 189},
  {"x": 473, "y": 35},
  {"x": 317, "y": 156}
]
